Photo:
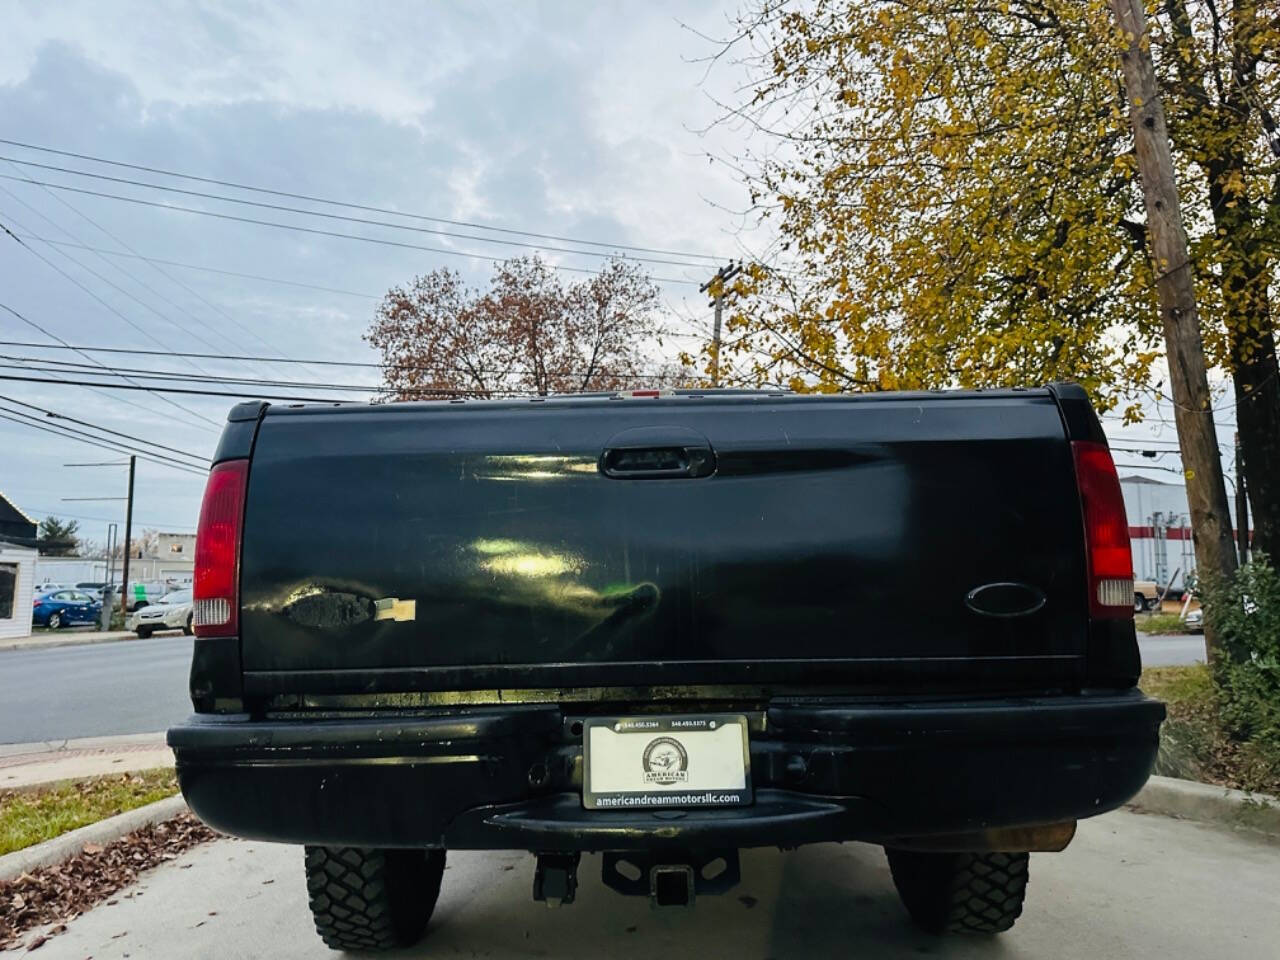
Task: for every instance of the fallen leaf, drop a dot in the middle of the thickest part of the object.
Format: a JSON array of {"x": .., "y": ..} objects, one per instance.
[
  {"x": 92, "y": 848},
  {"x": 37, "y": 943}
]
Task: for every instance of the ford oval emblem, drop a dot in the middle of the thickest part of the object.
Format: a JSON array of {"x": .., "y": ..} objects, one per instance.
[{"x": 1006, "y": 599}]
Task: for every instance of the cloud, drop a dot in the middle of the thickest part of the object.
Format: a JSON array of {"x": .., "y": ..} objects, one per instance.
[{"x": 558, "y": 118}]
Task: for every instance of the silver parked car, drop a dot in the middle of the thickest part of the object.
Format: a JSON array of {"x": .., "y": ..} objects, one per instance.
[{"x": 170, "y": 612}]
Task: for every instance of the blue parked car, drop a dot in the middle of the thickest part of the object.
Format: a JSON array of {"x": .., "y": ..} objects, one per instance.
[{"x": 63, "y": 608}]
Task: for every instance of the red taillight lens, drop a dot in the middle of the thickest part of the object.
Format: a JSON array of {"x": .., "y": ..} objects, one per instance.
[
  {"x": 1106, "y": 531},
  {"x": 216, "y": 607}
]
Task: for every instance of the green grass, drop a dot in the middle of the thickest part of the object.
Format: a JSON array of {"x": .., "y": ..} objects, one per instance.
[
  {"x": 1193, "y": 743},
  {"x": 1160, "y": 623},
  {"x": 31, "y": 816}
]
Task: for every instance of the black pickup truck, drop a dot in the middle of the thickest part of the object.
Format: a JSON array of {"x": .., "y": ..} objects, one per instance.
[{"x": 662, "y": 628}]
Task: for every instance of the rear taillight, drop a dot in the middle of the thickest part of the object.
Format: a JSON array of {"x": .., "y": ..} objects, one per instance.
[
  {"x": 1106, "y": 531},
  {"x": 217, "y": 575}
]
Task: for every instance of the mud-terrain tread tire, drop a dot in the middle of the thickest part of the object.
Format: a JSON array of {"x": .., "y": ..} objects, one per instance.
[
  {"x": 960, "y": 892},
  {"x": 369, "y": 900}
]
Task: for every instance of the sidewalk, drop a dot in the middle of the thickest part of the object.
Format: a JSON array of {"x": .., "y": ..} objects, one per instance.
[
  {"x": 31, "y": 764},
  {"x": 72, "y": 636}
]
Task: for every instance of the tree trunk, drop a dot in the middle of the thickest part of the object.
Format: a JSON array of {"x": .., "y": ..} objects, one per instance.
[
  {"x": 1247, "y": 266},
  {"x": 1193, "y": 408},
  {"x": 1257, "y": 394}
]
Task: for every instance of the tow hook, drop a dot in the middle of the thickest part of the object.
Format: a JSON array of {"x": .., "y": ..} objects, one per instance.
[{"x": 555, "y": 878}]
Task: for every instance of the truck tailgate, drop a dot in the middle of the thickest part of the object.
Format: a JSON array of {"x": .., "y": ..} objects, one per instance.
[{"x": 480, "y": 545}]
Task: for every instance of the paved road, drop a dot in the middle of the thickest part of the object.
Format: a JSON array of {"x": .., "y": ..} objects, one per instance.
[
  {"x": 1131, "y": 886},
  {"x": 101, "y": 689},
  {"x": 1171, "y": 651},
  {"x": 139, "y": 686}
]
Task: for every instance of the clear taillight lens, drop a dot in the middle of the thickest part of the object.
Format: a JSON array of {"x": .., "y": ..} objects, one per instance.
[{"x": 216, "y": 604}]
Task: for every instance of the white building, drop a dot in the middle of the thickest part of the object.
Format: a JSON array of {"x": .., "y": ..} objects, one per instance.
[
  {"x": 1160, "y": 529},
  {"x": 17, "y": 585},
  {"x": 175, "y": 546},
  {"x": 73, "y": 570}
]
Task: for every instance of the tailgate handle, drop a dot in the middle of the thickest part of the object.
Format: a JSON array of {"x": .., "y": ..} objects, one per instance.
[{"x": 658, "y": 453}]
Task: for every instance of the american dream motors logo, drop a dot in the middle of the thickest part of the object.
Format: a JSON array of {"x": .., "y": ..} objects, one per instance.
[{"x": 665, "y": 762}]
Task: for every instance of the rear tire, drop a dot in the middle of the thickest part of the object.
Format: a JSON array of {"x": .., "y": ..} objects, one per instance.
[
  {"x": 960, "y": 892},
  {"x": 55, "y": 621},
  {"x": 372, "y": 899},
  {"x": 186, "y": 627}
]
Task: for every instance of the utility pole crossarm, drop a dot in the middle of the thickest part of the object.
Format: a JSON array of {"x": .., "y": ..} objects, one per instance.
[{"x": 723, "y": 276}]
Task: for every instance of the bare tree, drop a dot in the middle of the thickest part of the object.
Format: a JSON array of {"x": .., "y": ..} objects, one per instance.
[{"x": 527, "y": 333}]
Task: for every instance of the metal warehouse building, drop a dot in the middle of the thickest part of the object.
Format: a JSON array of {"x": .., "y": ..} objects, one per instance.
[{"x": 1160, "y": 529}]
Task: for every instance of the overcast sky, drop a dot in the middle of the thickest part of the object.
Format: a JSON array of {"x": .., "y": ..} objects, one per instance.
[{"x": 574, "y": 119}]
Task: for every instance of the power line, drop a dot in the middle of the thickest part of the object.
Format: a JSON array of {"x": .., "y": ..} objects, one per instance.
[
  {"x": 38, "y": 255},
  {"x": 205, "y": 269},
  {"x": 212, "y": 356},
  {"x": 137, "y": 373},
  {"x": 100, "y": 228},
  {"x": 364, "y": 221},
  {"x": 242, "y": 395},
  {"x": 46, "y": 365},
  {"x": 94, "y": 426},
  {"x": 158, "y": 457},
  {"x": 301, "y": 229},
  {"x": 176, "y": 528},
  {"x": 48, "y": 428},
  {"x": 350, "y": 206},
  {"x": 53, "y": 336},
  {"x": 113, "y": 285}
]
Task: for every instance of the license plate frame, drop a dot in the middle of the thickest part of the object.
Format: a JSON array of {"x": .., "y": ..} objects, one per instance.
[{"x": 664, "y": 750}]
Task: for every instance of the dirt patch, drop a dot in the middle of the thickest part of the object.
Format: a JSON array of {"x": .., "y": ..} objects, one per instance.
[{"x": 60, "y": 893}]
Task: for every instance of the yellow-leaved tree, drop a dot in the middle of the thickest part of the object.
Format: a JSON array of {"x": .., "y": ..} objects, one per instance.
[{"x": 957, "y": 203}]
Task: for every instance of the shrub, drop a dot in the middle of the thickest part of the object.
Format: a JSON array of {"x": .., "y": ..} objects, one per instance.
[{"x": 1244, "y": 613}]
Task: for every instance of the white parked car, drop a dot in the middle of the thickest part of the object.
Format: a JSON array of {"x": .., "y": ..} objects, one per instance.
[
  {"x": 170, "y": 612},
  {"x": 1195, "y": 621}
]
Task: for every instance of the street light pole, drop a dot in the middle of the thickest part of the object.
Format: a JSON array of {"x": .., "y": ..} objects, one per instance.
[
  {"x": 113, "y": 534},
  {"x": 128, "y": 537}
]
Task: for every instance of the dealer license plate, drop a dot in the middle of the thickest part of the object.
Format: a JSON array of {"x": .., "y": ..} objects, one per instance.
[{"x": 638, "y": 763}]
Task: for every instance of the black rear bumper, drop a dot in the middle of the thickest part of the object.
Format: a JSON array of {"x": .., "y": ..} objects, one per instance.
[{"x": 509, "y": 777}]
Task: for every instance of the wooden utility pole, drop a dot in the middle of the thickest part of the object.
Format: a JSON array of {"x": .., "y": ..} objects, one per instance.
[
  {"x": 1193, "y": 407},
  {"x": 723, "y": 275}
]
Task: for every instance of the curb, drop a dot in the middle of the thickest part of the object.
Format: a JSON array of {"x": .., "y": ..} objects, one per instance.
[
  {"x": 65, "y": 745},
  {"x": 1189, "y": 800},
  {"x": 103, "y": 832},
  {"x": 69, "y": 640}
]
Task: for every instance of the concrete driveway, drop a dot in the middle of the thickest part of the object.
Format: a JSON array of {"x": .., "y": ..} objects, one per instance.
[{"x": 1130, "y": 886}]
